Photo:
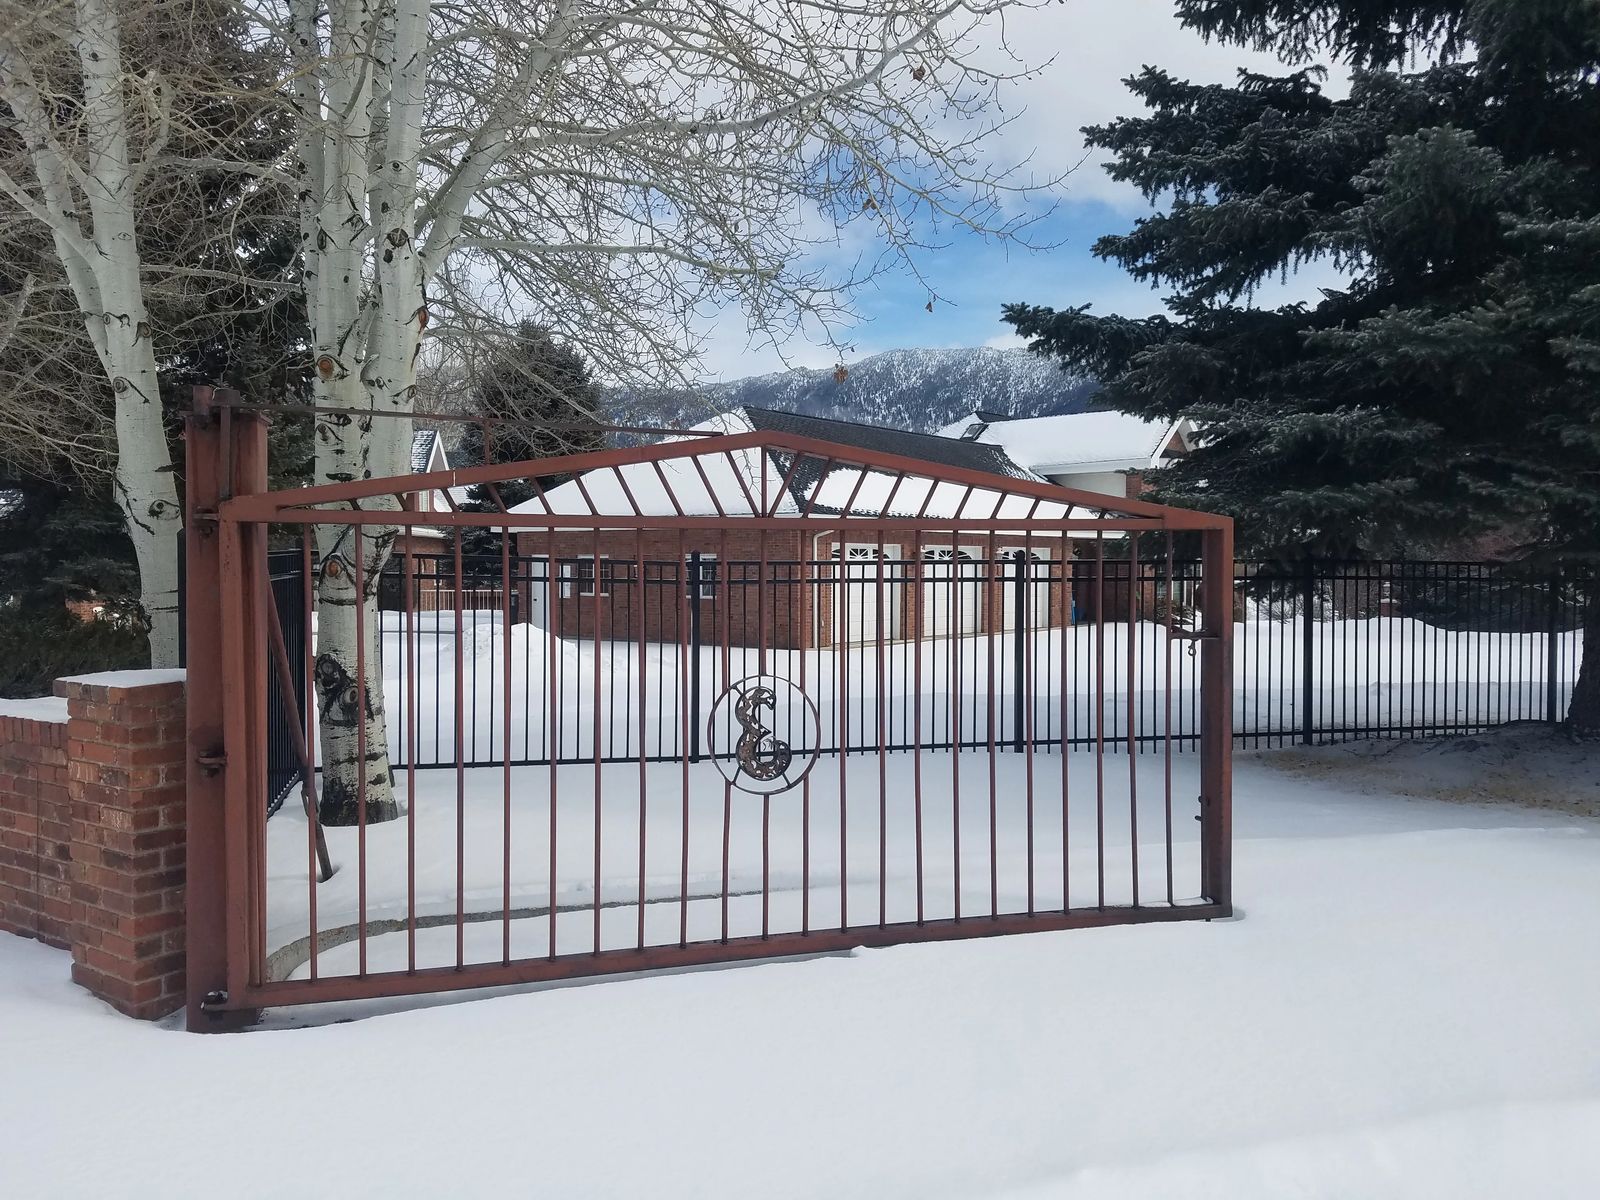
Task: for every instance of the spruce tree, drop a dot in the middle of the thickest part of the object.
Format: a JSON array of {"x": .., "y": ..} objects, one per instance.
[
  {"x": 543, "y": 402},
  {"x": 1450, "y": 388}
]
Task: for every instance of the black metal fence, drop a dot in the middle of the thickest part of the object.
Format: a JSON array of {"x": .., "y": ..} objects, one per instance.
[
  {"x": 286, "y": 578},
  {"x": 961, "y": 652}
]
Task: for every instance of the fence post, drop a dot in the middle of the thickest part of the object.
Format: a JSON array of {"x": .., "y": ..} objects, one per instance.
[
  {"x": 693, "y": 584},
  {"x": 1552, "y": 652},
  {"x": 1216, "y": 716},
  {"x": 1019, "y": 655},
  {"x": 1308, "y": 647}
]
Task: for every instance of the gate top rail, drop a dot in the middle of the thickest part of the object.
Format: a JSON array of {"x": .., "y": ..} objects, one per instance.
[{"x": 950, "y": 497}]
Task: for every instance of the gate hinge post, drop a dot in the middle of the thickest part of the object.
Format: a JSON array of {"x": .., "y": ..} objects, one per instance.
[{"x": 211, "y": 761}]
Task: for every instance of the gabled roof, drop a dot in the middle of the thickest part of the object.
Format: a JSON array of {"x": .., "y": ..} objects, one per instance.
[
  {"x": 776, "y": 480},
  {"x": 1073, "y": 442},
  {"x": 929, "y": 447}
]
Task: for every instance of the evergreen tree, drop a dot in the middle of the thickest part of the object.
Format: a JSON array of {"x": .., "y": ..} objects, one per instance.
[
  {"x": 61, "y": 543},
  {"x": 543, "y": 402},
  {"x": 544, "y": 390},
  {"x": 1450, "y": 388}
]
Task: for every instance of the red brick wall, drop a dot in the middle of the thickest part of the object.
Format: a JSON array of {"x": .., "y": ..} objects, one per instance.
[
  {"x": 35, "y": 830},
  {"x": 125, "y": 750},
  {"x": 788, "y": 614},
  {"x": 739, "y": 609},
  {"x": 92, "y": 836}
]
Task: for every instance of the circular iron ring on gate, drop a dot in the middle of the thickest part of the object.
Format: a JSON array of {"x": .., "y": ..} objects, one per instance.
[{"x": 764, "y": 734}]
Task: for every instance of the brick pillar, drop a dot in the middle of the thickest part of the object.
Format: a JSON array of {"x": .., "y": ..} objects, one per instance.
[
  {"x": 35, "y": 822},
  {"x": 125, "y": 773}
]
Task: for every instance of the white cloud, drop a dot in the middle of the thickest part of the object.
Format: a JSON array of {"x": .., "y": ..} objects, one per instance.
[{"x": 1092, "y": 46}]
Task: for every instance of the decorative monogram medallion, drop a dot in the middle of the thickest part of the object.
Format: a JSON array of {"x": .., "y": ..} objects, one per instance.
[{"x": 764, "y": 734}]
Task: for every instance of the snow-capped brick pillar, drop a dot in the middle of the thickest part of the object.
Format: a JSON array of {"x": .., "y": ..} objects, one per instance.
[
  {"x": 35, "y": 822},
  {"x": 125, "y": 754}
]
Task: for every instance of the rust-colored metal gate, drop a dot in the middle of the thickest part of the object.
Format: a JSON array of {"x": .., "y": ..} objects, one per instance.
[{"x": 723, "y": 697}]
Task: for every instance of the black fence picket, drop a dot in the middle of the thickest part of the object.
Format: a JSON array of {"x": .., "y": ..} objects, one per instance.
[{"x": 1325, "y": 652}]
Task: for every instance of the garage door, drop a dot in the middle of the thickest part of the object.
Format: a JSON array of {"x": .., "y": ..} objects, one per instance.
[
  {"x": 952, "y": 591},
  {"x": 858, "y": 601}
]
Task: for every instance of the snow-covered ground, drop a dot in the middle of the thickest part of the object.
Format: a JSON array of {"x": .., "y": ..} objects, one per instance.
[
  {"x": 1405, "y": 1009},
  {"x": 689, "y": 823}
]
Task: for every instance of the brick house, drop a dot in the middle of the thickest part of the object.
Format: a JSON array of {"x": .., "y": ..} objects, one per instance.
[{"x": 789, "y": 589}]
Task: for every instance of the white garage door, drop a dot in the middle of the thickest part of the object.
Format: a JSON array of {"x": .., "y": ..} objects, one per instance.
[
  {"x": 858, "y": 600},
  {"x": 952, "y": 591}
]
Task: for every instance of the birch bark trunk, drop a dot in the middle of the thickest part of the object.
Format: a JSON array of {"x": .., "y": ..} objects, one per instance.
[
  {"x": 362, "y": 363},
  {"x": 146, "y": 490}
]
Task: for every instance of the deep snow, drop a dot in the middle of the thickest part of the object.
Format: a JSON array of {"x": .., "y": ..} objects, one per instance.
[{"x": 1406, "y": 1009}]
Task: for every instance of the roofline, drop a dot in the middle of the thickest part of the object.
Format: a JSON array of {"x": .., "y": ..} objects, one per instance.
[
  {"x": 1098, "y": 464},
  {"x": 998, "y": 450}
]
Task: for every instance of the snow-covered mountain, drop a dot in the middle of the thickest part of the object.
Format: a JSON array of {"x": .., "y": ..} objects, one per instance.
[{"x": 908, "y": 389}]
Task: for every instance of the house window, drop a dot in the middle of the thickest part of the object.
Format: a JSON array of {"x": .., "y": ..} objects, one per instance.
[
  {"x": 582, "y": 574},
  {"x": 701, "y": 585}
]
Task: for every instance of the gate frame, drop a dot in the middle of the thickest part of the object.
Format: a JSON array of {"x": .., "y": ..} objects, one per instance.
[{"x": 229, "y": 508}]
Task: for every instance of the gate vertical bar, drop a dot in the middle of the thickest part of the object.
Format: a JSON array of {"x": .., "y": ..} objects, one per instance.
[{"x": 1216, "y": 716}]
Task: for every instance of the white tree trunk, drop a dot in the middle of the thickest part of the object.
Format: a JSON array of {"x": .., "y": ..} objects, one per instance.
[
  {"x": 145, "y": 488},
  {"x": 356, "y": 780},
  {"x": 104, "y": 269}
]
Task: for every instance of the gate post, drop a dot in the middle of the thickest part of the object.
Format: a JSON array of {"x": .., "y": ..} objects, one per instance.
[
  {"x": 1216, "y": 716},
  {"x": 211, "y": 459}
]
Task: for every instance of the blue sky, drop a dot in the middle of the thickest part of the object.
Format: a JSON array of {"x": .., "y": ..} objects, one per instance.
[{"x": 1084, "y": 48}]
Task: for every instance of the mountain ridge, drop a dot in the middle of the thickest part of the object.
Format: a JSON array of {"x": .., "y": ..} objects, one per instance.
[{"x": 917, "y": 389}]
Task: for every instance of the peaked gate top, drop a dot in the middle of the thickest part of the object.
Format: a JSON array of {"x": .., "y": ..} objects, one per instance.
[{"x": 764, "y": 476}]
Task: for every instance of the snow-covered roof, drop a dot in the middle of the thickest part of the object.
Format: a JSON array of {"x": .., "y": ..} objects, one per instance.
[
  {"x": 1073, "y": 442},
  {"x": 423, "y": 442},
  {"x": 739, "y": 478},
  {"x": 428, "y": 453}
]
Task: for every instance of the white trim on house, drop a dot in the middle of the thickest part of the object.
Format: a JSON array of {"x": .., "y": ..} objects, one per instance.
[{"x": 1083, "y": 450}]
